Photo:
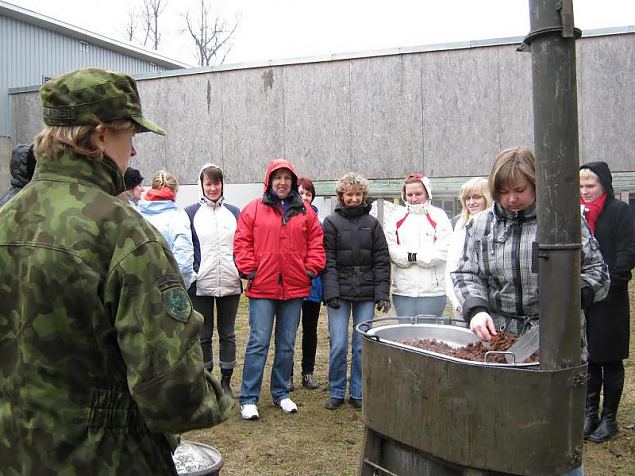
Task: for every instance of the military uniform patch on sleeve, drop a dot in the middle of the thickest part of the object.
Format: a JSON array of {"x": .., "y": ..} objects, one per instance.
[
  {"x": 176, "y": 303},
  {"x": 175, "y": 300}
]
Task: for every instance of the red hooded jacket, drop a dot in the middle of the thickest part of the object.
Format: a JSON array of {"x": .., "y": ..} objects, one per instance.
[{"x": 275, "y": 249}]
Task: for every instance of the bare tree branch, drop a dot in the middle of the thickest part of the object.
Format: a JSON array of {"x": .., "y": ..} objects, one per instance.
[
  {"x": 149, "y": 16},
  {"x": 131, "y": 26},
  {"x": 208, "y": 39}
]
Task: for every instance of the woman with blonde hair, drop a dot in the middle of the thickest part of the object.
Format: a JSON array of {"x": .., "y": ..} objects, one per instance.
[
  {"x": 494, "y": 279},
  {"x": 608, "y": 321},
  {"x": 159, "y": 209},
  {"x": 356, "y": 280},
  {"x": 474, "y": 197}
]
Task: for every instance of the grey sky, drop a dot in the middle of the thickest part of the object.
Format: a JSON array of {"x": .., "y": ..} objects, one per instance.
[{"x": 274, "y": 29}]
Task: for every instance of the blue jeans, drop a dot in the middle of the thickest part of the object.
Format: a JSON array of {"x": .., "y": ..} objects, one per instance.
[
  {"x": 338, "y": 330},
  {"x": 262, "y": 313},
  {"x": 408, "y": 306},
  {"x": 579, "y": 471}
]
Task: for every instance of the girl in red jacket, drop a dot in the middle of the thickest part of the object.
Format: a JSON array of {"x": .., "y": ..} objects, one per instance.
[{"x": 278, "y": 248}]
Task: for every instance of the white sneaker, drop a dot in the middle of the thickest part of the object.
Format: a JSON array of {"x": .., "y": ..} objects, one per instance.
[
  {"x": 287, "y": 405},
  {"x": 249, "y": 411}
]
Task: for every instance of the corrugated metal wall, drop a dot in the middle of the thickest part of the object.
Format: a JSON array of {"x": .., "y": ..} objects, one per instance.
[{"x": 48, "y": 54}]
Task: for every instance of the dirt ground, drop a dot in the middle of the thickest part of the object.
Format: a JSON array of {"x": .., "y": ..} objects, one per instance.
[{"x": 317, "y": 441}]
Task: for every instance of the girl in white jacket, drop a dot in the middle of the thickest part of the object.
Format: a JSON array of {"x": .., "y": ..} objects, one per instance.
[
  {"x": 418, "y": 243},
  {"x": 474, "y": 197},
  {"x": 213, "y": 223}
]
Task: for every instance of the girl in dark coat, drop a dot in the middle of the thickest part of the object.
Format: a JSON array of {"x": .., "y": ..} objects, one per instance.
[
  {"x": 608, "y": 320},
  {"x": 356, "y": 278}
]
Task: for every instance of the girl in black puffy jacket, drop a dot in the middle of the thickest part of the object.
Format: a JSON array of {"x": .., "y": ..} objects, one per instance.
[{"x": 356, "y": 278}]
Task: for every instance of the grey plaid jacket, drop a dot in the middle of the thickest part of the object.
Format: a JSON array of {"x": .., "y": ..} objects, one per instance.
[{"x": 494, "y": 273}]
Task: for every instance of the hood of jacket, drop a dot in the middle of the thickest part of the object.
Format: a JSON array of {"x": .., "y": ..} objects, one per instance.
[
  {"x": 601, "y": 169},
  {"x": 278, "y": 164},
  {"x": 201, "y": 194},
  {"x": 156, "y": 207},
  {"x": 425, "y": 181},
  {"x": 22, "y": 165}
]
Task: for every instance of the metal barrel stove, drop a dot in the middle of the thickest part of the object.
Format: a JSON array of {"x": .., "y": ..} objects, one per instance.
[{"x": 430, "y": 414}]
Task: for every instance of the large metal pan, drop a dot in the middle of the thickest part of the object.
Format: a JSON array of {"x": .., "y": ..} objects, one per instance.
[{"x": 396, "y": 330}]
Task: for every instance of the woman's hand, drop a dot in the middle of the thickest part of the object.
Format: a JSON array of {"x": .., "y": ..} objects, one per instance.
[{"x": 483, "y": 326}]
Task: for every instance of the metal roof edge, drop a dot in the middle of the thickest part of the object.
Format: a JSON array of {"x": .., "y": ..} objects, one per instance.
[
  {"x": 487, "y": 42},
  {"x": 43, "y": 21}
]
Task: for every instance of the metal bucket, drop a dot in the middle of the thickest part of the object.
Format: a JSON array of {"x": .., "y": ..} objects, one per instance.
[
  {"x": 397, "y": 330},
  {"x": 196, "y": 459},
  {"x": 426, "y": 407}
]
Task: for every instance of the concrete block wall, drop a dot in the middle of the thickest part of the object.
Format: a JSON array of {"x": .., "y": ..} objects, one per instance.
[{"x": 446, "y": 113}]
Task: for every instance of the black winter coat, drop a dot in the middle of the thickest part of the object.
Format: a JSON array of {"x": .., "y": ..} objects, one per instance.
[
  {"x": 357, "y": 258},
  {"x": 608, "y": 320},
  {"x": 22, "y": 167}
]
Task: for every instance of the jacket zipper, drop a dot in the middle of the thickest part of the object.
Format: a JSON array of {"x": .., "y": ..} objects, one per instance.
[{"x": 517, "y": 271}]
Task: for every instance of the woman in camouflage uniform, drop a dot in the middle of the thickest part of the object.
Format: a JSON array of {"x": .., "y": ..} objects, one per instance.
[{"x": 99, "y": 355}]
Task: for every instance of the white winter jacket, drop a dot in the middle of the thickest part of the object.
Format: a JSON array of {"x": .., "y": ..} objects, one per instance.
[
  {"x": 173, "y": 224},
  {"x": 213, "y": 228},
  {"x": 417, "y": 234}
]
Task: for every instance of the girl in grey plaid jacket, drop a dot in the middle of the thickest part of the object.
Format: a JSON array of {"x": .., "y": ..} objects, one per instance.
[{"x": 494, "y": 277}]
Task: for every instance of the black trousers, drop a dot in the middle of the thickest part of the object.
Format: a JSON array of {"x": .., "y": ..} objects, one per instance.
[
  {"x": 608, "y": 376},
  {"x": 226, "y": 307},
  {"x": 310, "y": 316}
]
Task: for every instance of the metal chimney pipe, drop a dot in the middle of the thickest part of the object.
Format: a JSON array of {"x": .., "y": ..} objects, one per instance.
[{"x": 553, "y": 65}]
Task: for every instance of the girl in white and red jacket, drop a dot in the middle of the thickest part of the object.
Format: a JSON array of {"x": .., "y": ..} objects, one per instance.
[{"x": 418, "y": 242}]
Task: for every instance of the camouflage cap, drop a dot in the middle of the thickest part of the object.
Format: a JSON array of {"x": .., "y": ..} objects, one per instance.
[{"x": 72, "y": 99}]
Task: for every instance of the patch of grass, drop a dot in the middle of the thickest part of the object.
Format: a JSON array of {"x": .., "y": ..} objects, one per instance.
[{"x": 317, "y": 441}]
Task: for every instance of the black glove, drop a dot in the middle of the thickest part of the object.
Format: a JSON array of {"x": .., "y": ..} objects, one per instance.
[
  {"x": 333, "y": 302},
  {"x": 412, "y": 257},
  {"x": 382, "y": 305},
  {"x": 587, "y": 296}
]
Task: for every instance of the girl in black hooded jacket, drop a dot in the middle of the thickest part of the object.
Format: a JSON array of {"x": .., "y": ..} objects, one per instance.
[{"x": 608, "y": 320}]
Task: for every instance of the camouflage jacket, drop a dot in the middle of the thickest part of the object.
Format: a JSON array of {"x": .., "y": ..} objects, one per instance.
[{"x": 100, "y": 359}]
